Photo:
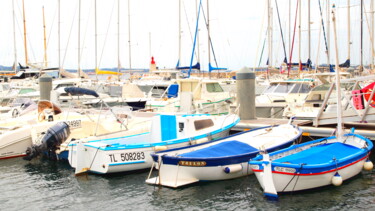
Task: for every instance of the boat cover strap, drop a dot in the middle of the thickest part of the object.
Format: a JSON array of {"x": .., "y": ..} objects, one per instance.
[{"x": 223, "y": 149}]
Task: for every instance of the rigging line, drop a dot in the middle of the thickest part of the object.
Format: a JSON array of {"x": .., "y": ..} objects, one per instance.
[
  {"x": 294, "y": 35},
  {"x": 84, "y": 37},
  {"x": 190, "y": 32},
  {"x": 260, "y": 36},
  {"x": 368, "y": 27},
  {"x": 70, "y": 33},
  {"x": 281, "y": 31},
  {"x": 261, "y": 54},
  {"x": 209, "y": 38},
  {"x": 106, "y": 35},
  {"x": 195, "y": 39},
  {"x": 324, "y": 31},
  {"x": 50, "y": 30}
]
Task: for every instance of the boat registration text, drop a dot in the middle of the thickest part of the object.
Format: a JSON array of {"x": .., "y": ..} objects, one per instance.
[{"x": 128, "y": 156}]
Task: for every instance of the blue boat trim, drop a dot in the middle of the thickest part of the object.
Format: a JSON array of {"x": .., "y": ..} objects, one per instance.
[
  {"x": 218, "y": 161},
  {"x": 306, "y": 168},
  {"x": 133, "y": 162},
  {"x": 163, "y": 143}
]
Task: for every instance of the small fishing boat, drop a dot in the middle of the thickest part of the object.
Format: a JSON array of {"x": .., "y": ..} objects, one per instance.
[
  {"x": 222, "y": 159},
  {"x": 316, "y": 163},
  {"x": 132, "y": 152},
  {"x": 312, "y": 164}
]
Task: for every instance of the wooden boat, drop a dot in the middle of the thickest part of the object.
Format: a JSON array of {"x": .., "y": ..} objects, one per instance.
[
  {"x": 131, "y": 153},
  {"x": 222, "y": 159},
  {"x": 312, "y": 164},
  {"x": 316, "y": 163}
]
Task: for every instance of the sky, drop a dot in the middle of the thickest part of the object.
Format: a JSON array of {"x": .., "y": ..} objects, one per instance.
[{"x": 237, "y": 30}]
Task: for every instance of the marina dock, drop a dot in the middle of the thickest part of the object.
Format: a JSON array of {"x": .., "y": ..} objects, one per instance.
[{"x": 364, "y": 129}]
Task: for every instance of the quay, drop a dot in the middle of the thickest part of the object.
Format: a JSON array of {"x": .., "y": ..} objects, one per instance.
[{"x": 364, "y": 129}]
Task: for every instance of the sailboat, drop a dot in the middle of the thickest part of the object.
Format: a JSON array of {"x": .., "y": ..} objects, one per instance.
[{"x": 318, "y": 163}]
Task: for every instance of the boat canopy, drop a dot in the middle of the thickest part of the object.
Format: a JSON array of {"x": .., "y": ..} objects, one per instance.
[{"x": 80, "y": 91}]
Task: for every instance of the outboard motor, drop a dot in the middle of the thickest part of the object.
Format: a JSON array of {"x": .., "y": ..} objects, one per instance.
[{"x": 51, "y": 141}]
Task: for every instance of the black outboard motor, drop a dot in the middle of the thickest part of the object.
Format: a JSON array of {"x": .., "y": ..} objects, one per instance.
[{"x": 51, "y": 141}]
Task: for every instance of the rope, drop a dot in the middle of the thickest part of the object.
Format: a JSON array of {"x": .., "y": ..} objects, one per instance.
[
  {"x": 294, "y": 35},
  {"x": 281, "y": 31},
  {"x": 293, "y": 178}
]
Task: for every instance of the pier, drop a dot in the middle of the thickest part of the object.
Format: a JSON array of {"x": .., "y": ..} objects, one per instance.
[{"x": 364, "y": 129}]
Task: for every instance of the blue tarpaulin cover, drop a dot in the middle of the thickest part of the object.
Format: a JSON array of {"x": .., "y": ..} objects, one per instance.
[
  {"x": 223, "y": 149},
  {"x": 320, "y": 154}
]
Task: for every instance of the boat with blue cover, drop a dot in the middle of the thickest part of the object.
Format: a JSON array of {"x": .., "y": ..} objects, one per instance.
[
  {"x": 322, "y": 162},
  {"x": 226, "y": 158},
  {"x": 131, "y": 153}
]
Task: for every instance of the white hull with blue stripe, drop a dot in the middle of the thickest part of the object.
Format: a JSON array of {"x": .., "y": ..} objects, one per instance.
[
  {"x": 226, "y": 158},
  {"x": 132, "y": 153},
  {"x": 312, "y": 164}
]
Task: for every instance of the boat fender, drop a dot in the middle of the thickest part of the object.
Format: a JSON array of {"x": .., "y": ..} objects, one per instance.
[
  {"x": 368, "y": 165},
  {"x": 337, "y": 179},
  {"x": 160, "y": 148},
  {"x": 202, "y": 140},
  {"x": 232, "y": 168}
]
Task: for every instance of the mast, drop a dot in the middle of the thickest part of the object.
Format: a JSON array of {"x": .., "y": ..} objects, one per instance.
[
  {"x": 179, "y": 32},
  {"x": 198, "y": 47},
  {"x": 130, "y": 48},
  {"x": 309, "y": 31},
  {"x": 349, "y": 30},
  {"x": 269, "y": 38},
  {"x": 372, "y": 33},
  {"x": 14, "y": 39},
  {"x": 209, "y": 40},
  {"x": 79, "y": 39},
  {"x": 290, "y": 28},
  {"x": 328, "y": 34},
  {"x": 299, "y": 39},
  {"x": 361, "y": 66},
  {"x": 58, "y": 38},
  {"x": 118, "y": 39},
  {"x": 24, "y": 33},
  {"x": 45, "y": 40},
  {"x": 339, "y": 132},
  {"x": 96, "y": 42}
]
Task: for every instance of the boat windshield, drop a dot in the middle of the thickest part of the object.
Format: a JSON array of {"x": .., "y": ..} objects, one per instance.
[
  {"x": 284, "y": 88},
  {"x": 214, "y": 87},
  {"x": 270, "y": 88},
  {"x": 301, "y": 88}
]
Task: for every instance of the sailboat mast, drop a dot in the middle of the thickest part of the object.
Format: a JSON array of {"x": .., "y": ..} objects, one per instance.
[
  {"x": 361, "y": 66},
  {"x": 309, "y": 31},
  {"x": 372, "y": 33},
  {"x": 198, "y": 48},
  {"x": 269, "y": 38},
  {"x": 96, "y": 42},
  {"x": 299, "y": 39},
  {"x": 45, "y": 39},
  {"x": 24, "y": 33},
  {"x": 14, "y": 38},
  {"x": 79, "y": 39},
  {"x": 179, "y": 31},
  {"x": 349, "y": 30},
  {"x": 209, "y": 39},
  {"x": 130, "y": 48},
  {"x": 328, "y": 34},
  {"x": 58, "y": 38},
  {"x": 339, "y": 132},
  {"x": 118, "y": 39}
]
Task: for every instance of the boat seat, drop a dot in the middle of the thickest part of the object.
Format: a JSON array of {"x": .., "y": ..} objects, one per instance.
[
  {"x": 320, "y": 154},
  {"x": 223, "y": 149}
]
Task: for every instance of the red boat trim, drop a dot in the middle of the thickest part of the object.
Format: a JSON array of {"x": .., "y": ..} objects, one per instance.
[{"x": 14, "y": 156}]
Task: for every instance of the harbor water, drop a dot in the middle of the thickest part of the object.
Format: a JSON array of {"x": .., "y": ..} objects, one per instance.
[{"x": 47, "y": 185}]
